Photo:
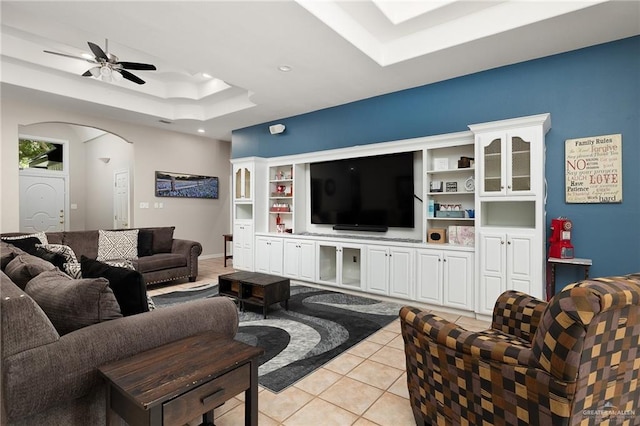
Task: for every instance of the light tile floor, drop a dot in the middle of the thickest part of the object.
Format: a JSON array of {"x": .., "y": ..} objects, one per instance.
[{"x": 364, "y": 386}]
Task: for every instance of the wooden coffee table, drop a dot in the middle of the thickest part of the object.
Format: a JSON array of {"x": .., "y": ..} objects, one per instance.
[
  {"x": 173, "y": 383},
  {"x": 255, "y": 288}
]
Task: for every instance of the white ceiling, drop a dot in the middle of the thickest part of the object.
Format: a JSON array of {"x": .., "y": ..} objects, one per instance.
[{"x": 339, "y": 52}]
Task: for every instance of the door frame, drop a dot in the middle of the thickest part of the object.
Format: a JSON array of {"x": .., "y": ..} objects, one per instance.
[
  {"x": 115, "y": 195},
  {"x": 64, "y": 174}
]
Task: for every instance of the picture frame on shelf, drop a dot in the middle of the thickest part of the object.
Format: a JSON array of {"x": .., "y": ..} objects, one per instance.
[
  {"x": 451, "y": 187},
  {"x": 435, "y": 186},
  {"x": 440, "y": 164}
]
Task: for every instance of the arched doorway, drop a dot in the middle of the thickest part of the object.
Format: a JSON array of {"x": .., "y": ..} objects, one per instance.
[{"x": 99, "y": 165}]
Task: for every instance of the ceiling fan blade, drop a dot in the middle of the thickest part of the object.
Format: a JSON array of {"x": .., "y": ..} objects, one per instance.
[
  {"x": 98, "y": 52},
  {"x": 126, "y": 74},
  {"x": 137, "y": 66},
  {"x": 70, "y": 56},
  {"x": 93, "y": 72}
]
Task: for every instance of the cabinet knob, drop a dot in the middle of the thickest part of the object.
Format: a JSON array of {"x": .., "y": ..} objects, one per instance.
[
  {"x": 501, "y": 242},
  {"x": 508, "y": 186},
  {"x": 444, "y": 260},
  {"x": 509, "y": 242}
]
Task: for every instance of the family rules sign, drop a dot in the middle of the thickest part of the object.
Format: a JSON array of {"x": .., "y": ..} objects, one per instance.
[{"x": 593, "y": 169}]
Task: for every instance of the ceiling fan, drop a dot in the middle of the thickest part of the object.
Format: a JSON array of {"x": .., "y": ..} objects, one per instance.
[{"x": 107, "y": 66}]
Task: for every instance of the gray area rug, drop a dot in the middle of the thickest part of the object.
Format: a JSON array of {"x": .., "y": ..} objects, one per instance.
[{"x": 318, "y": 326}]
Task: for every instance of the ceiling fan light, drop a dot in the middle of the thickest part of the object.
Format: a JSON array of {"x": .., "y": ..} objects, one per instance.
[
  {"x": 116, "y": 76},
  {"x": 95, "y": 72},
  {"x": 105, "y": 72}
]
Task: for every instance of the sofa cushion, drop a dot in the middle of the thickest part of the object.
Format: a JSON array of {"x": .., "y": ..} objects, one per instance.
[
  {"x": 73, "y": 304},
  {"x": 117, "y": 244},
  {"x": 145, "y": 242},
  {"x": 82, "y": 242},
  {"x": 8, "y": 252},
  {"x": 161, "y": 261},
  {"x": 25, "y": 267},
  {"x": 163, "y": 239},
  {"x": 127, "y": 284}
]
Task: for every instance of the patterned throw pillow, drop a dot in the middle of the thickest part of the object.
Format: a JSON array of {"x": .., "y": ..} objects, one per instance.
[
  {"x": 114, "y": 245},
  {"x": 66, "y": 251},
  {"x": 39, "y": 235},
  {"x": 73, "y": 270}
]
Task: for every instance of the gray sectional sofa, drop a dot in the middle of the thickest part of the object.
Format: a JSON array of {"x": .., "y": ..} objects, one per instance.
[
  {"x": 57, "y": 331},
  {"x": 160, "y": 257}
]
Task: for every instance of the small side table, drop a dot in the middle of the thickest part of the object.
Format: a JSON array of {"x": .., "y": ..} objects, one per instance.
[
  {"x": 173, "y": 383},
  {"x": 228, "y": 238},
  {"x": 552, "y": 262}
]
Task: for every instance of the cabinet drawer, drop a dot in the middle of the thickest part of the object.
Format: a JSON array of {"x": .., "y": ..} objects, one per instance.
[{"x": 206, "y": 397}]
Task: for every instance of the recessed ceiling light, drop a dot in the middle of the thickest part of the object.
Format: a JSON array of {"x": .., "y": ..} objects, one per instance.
[
  {"x": 200, "y": 130},
  {"x": 285, "y": 68},
  {"x": 206, "y": 75}
]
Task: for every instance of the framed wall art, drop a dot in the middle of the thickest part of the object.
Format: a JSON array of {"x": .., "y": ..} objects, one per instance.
[
  {"x": 593, "y": 169},
  {"x": 184, "y": 185}
]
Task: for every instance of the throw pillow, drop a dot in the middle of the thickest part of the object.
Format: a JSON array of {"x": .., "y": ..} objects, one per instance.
[
  {"x": 25, "y": 244},
  {"x": 8, "y": 252},
  {"x": 117, "y": 245},
  {"x": 57, "y": 259},
  {"x": 73, "y": 269},
  {"x": 73, "y": 304},
  {"x": 24, "y": 267},
  {"x": 127, "y": 284},
  {"x": 145, "y": 242},
  {"x": 39, "y": 235},
  {"x": 163, "y": 239},
  {"x": 65, "y": 251}
]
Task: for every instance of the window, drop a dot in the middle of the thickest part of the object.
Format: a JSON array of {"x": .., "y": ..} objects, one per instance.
[{"x": 40, "y": 155}]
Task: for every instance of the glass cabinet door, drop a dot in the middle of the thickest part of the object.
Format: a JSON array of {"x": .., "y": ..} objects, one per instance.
[
  {"x": 520, "y": 169},
  {"x": 492, "y": 170}
]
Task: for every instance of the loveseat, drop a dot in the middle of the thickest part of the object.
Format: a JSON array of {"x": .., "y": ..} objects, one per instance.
[
  {"x": 157, "y": 255},
  {"x": 58, "y": 330}
]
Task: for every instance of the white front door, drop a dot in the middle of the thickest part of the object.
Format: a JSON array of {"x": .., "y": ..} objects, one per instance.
[
  {"x": 121, "y": 199},
  {"x": 42, "y": 203}
]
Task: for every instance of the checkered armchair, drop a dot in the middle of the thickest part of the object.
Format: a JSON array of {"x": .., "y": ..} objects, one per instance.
[{"x": 572, "y": 361}]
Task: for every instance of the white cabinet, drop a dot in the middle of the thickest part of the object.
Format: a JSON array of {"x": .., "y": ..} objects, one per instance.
[
  {"x": 269, "y": 255},
  {"x": 243, "y": 181},
  {"x": 389, "y": 271},
  {"x": 509, "y": 162},
  {"x": 340, "y": 264},
  {"x": 457, "y": 280},
  {"x": 243, "y": 246},
  {"x": 300, "y": 259},
  {"x": 445, "y": 278},
  {"x": 508, "y": 261}
]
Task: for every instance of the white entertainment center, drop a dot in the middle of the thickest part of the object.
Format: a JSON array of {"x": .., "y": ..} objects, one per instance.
[{"x": 498, "y": 193}]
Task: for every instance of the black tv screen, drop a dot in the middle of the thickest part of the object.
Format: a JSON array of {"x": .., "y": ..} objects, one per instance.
[{"x": 374, "y": 191}]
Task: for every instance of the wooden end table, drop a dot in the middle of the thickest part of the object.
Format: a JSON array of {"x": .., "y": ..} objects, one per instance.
[
  {"x": 255, "y": 288},
  {"x": 173, "y": 383}
]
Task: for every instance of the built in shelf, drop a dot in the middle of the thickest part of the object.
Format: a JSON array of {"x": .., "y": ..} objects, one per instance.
[{"x": 467, "y": 169}]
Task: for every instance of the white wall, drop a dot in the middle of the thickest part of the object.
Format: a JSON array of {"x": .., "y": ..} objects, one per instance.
[
  {"x": 98, "y": 194},
  {"x": 196, "y": 219}
]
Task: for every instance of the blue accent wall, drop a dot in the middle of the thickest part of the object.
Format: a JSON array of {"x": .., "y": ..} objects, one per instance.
[{"x": 589, "y": 92}]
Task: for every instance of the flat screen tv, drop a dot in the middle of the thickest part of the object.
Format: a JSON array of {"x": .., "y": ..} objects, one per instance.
[{"x": 365, "y": 193}]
